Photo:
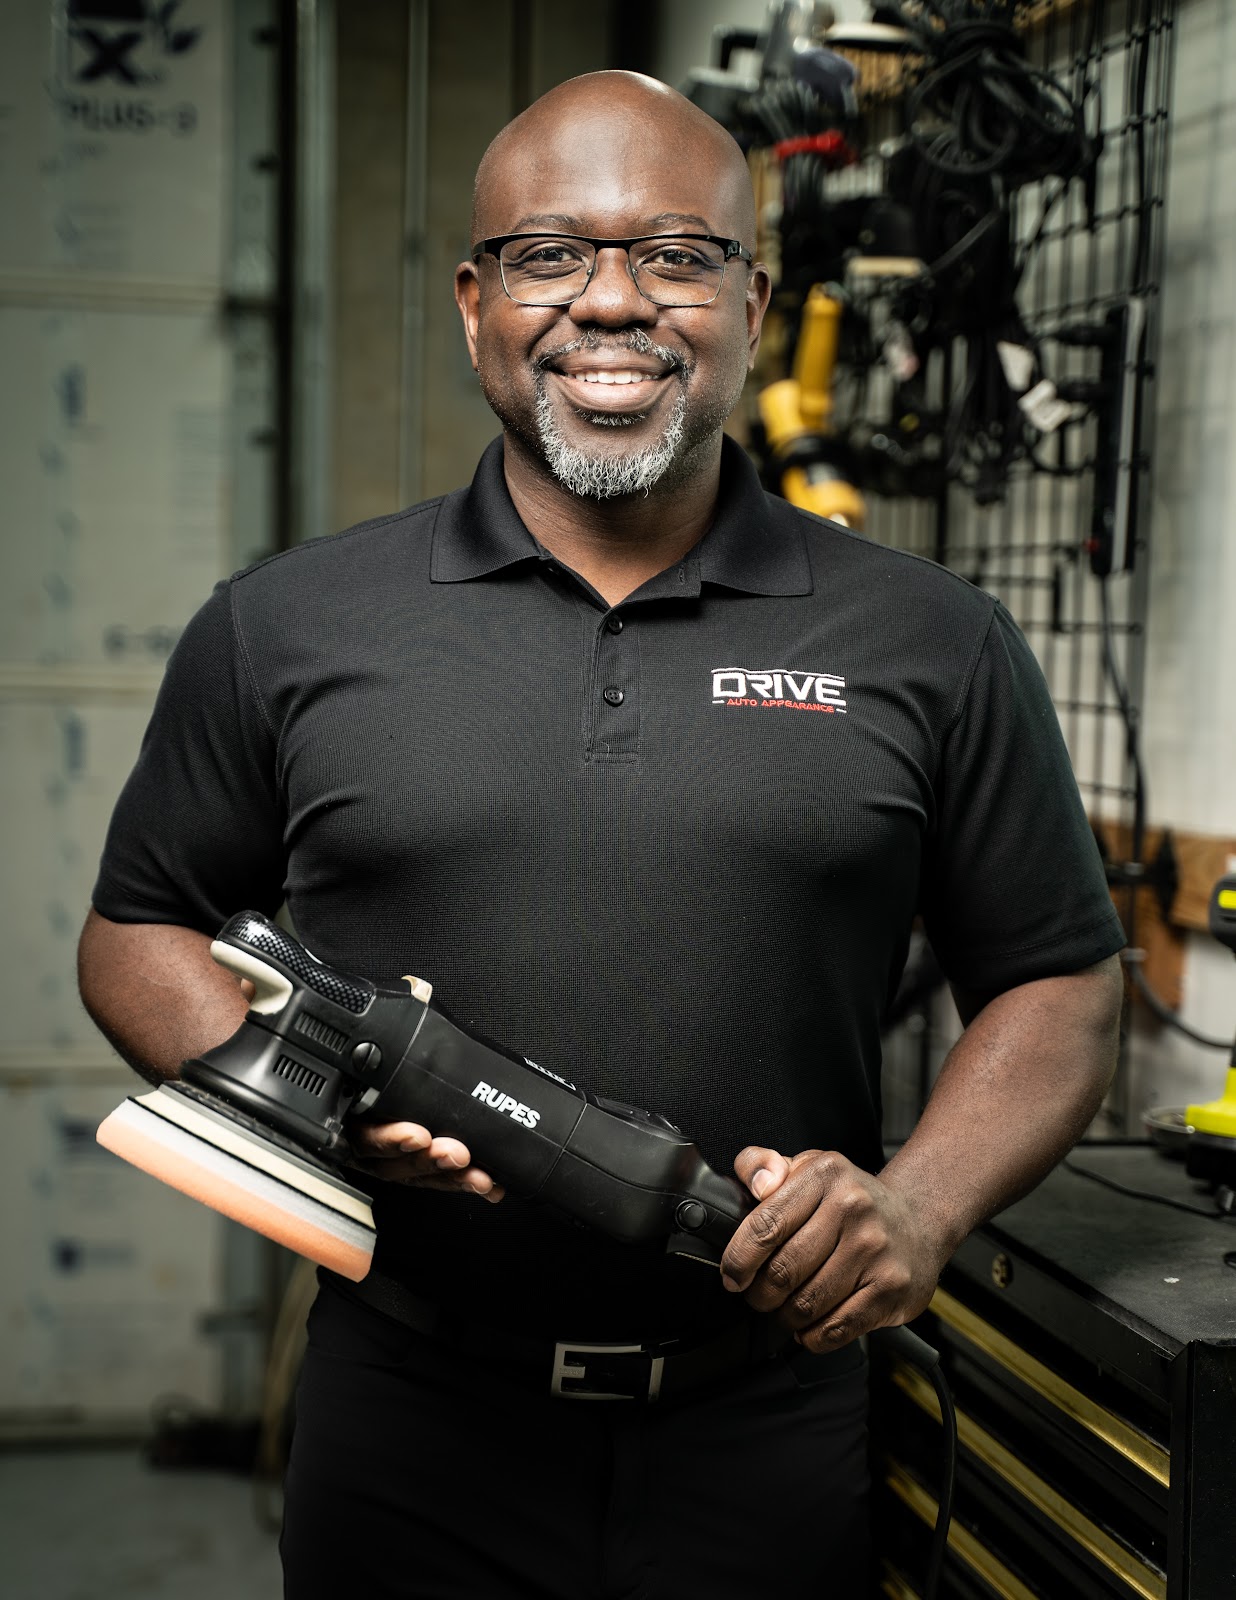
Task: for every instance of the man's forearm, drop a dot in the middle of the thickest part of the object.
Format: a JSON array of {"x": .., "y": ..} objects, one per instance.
[
  {"x": 155, "y": 992},
  {"x": 1017, "y": 1091}
]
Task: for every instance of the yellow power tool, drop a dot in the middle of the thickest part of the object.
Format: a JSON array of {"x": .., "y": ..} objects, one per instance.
[
  {"x": 797, "y": 416},
  {"x": 1212, "y": 1144}
]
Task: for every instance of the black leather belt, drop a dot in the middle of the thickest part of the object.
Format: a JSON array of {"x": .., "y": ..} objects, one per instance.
[{"x": 583, "y": 1370}]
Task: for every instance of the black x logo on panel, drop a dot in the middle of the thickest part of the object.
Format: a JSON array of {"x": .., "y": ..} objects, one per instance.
[{"x": 110, "y": 59}]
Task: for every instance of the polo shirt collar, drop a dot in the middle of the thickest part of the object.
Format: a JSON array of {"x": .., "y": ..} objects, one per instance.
[{"x": 756, "y": 543}]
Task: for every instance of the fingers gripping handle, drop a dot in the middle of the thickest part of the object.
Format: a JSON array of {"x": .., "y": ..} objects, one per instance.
[{"x": 253, "y": 947}]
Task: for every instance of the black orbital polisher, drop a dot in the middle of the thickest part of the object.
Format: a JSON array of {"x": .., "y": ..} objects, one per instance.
[{"x": 256, "y": 1128}]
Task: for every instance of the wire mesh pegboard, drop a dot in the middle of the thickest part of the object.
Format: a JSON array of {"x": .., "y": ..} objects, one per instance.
[
  {"x": 1033, "y": 548},
  {"x": 1093, "y": 259}
]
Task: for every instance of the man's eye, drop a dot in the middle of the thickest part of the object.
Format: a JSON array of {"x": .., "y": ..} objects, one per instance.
[
  {"x": 548, "y": 258},
  {"x": 677, "y": 260}
]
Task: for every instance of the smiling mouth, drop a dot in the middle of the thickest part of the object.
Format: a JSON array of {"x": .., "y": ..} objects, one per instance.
[
  {"x": 616, "y": 376},
  {"x": 620, "y": 380},
  {"x": 612, "y": 391}
]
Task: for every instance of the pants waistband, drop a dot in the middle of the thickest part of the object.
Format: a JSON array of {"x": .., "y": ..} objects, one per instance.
[{"x": 583, "y": 1369}]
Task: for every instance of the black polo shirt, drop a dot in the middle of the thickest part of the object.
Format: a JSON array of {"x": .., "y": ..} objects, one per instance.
[{"x": 671, "y": 849}]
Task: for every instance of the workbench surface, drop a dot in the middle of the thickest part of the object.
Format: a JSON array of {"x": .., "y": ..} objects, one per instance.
[{"x": 1162, "y": 1267}]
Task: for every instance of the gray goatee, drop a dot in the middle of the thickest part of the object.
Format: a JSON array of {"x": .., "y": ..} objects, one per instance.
[{"x": 605, "y": 476}]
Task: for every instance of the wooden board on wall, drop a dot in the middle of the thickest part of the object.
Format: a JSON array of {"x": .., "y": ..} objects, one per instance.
[{"x": 1201, "y": 859}]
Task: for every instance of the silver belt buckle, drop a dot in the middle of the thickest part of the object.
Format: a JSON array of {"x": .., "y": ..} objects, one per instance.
[{"x": 566, "y": 1366}]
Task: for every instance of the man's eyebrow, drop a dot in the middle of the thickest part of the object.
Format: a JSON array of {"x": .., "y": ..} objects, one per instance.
[
  {"x": 547, "y": 219},
  {"x": 680, "y": 216},
  {"x": 556, "y": 219}
]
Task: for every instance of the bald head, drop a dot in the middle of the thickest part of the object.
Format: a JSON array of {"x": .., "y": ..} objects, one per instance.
[
  {"x": 610, "y": 145},
  {"x": 619, "y": 387}
]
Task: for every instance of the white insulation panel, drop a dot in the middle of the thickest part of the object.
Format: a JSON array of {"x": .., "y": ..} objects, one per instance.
[
  {"x": 107, "y": 1272},
  {"x": 113, "y": 141},
  {"x": 116, "y": 447},
  {"x": 116, "y": 487},
  {"x": 61, "y": 768}
]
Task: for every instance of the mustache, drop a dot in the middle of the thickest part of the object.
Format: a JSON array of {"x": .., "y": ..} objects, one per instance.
[{"x": 635, "y": 339}]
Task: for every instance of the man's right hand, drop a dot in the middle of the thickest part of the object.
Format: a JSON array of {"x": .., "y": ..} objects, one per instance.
[{"x": 404, "y": 1152}]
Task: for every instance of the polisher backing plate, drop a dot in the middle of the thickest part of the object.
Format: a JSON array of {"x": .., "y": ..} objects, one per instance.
[
  {"x": 243, "y": 1176},
  {"x": 243, "y": 1136}
]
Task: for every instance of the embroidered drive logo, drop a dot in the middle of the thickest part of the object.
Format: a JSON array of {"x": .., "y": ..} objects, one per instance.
[{"x": 778, "y": 690}]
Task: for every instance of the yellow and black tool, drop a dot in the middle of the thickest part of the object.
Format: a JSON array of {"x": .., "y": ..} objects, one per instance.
[
  {"x": 1212, "y": 1144},
  {"x": 797, "y": 413}
]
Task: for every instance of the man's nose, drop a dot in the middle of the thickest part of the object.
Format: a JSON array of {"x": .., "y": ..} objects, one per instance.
[{"x": 612, "y": 297}]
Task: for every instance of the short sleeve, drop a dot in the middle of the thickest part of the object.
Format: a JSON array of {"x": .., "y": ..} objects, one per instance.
[
  {"x": 197, "y": 834},
  {"x": 1014, "y": 887}
]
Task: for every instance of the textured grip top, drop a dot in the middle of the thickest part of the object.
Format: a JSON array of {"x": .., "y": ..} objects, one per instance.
[{"x": 255, "y": 932}]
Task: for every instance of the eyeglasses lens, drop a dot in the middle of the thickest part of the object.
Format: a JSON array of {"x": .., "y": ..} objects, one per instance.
[{"x": 549, "y": 271}]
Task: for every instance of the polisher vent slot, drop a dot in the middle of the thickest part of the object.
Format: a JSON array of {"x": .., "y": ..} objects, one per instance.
[
  {"x": 300, "y": 1076},
  {"x": 320, "y": 1032}
]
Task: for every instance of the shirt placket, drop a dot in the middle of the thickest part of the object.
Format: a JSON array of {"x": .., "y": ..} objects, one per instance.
[{"x": 612, "y": 715}]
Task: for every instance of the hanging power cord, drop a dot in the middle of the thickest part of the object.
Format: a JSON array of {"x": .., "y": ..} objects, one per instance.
[
  {"x": 1132, "y": 731},
  {"x": 1129, "y": 718},
  {"x": 995, "y": 113},
  {"x": 806, "y": 134},
  {"x": 1132, "y": 960},
  {"x": 907, "y": 1346},
  {"x": 1088, "y": 95},
  {"x": 981, "y": 124}
]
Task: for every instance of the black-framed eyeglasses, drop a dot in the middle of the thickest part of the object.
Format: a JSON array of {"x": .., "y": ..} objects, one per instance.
[{"x": 554, "y": 269}]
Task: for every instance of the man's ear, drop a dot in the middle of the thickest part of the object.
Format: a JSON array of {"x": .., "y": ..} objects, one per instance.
[
  {"x": 759, "y": 292},
  {"x": 468, "y": 299}
]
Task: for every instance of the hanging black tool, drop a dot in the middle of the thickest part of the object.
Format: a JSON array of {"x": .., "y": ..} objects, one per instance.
[{"x": 1117, "y": 470}]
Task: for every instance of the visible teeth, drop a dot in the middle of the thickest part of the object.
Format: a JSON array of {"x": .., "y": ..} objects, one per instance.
[{"x": 607, "y": 376}]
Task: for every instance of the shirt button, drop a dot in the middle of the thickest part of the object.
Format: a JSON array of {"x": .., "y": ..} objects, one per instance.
[
  {"x": 613, "y": 697},
  {"x": 614, "y": 624}
]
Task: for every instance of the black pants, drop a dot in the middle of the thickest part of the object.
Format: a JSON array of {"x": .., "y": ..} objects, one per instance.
[{"x": 420, "y": 1474}]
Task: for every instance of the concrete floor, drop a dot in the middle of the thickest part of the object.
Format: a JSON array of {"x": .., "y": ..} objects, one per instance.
[{"x": 84, "y": 1524}]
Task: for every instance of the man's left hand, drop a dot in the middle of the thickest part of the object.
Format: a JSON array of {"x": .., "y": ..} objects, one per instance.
[{"x": 831, "y": 1248}]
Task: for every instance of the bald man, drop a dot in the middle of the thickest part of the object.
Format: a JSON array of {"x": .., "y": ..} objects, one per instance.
[{"x": 650, "y": 773}]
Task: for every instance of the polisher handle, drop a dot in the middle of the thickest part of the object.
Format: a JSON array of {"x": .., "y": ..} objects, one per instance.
[
  {"x": 320, "y": 1047},
  {"x": 248, "y": 942}
]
